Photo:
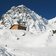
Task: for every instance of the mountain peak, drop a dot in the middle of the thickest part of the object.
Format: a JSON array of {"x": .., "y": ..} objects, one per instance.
[
  {"x": 24, "y": 16},
  {"x": 21, "y": 5}
]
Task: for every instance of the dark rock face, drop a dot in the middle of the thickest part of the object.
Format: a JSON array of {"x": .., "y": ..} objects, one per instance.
[
  {"x": 18, "y": 27},
  {"x": 54, "y": 31},
  {"x": 17, "y": 38}
]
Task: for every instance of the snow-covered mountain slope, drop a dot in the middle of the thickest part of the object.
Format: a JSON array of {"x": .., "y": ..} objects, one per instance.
[
  {"x": 39, "y": 33},
  {"x": 52, "y": 23},
  {"x": 24, "y": 16}
]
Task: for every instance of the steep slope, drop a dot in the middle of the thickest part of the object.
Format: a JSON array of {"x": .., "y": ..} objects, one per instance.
[
  {"x": 52, "y": 32},
  {"x": 52, "y": 23},
  {"x": 26, "y": 17}
]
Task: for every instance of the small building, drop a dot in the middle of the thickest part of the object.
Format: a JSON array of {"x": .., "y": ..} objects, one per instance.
[{"x": 17, "y": 27}]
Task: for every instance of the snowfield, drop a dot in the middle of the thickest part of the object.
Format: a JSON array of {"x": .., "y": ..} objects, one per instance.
[
  {"x": 22, "y": 43},
  {"x": 23, "y": 38}
]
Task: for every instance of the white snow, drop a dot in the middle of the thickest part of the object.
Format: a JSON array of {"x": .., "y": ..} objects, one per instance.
[{"x": 27, "y": 41}]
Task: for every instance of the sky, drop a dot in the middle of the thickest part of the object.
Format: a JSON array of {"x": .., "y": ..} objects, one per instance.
[{"x": 45, "y": 8}]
